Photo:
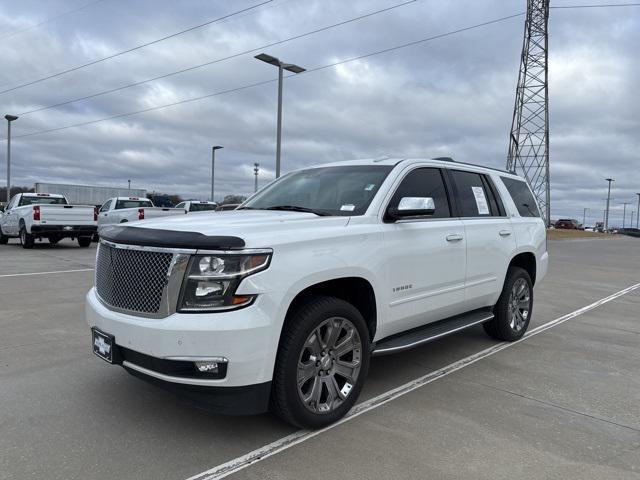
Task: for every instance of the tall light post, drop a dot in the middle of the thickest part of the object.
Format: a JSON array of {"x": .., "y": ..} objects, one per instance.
[
  {"x": 624, "y": 213},
  {"x": 9, "y": 119},
  {"x": 256, "y": 169},
  {"x": 606, "y": 216},
  {"x": 129, "y": 181},
  {"x": 213, "y": 166},
  {"x": 290, "y": 67},
  {"x": 638, "y": 212},
  {"x": 584, "y": 216}
]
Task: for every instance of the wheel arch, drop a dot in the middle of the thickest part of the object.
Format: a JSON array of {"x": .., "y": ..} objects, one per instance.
[
  {"x": 356, "y": 290},
  {"x": 527, "y": 261}
]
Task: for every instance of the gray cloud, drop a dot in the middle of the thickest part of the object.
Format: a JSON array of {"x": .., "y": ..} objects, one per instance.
[{"x": 452, "y": 96}]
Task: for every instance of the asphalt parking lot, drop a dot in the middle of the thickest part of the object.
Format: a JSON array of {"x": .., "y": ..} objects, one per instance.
[{"x": 563, "y": 403}]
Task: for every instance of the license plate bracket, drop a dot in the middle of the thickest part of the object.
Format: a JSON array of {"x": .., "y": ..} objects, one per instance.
[{"x": 103, "y": 344}]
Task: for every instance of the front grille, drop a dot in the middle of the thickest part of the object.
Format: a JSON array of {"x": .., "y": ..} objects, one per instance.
[{"x": 132, "y": 280}]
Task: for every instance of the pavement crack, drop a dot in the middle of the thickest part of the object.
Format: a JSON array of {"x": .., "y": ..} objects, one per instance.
[{"x": 555, "y": 405}]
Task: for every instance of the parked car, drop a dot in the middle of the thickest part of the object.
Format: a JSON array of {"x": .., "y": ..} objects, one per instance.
[
  {"x": 197, "y": 206},
  {"x": 227, "y": 206},
  {"x": 282, "y": 302},
  {"x": 568, "y": 224},
  {"x": 35, "y": 216},
  {"x": 131, "y": 209}
]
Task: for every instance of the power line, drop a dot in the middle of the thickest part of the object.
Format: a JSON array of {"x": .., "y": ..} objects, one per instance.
[
  {"x": 245, "y": 87},
  {"x": 229, "y": 57},
  {"x": 264, "y": 82},
  {"x": 138, "y": 47},
  {"x": 48, "y": 20},
  {"x": 253, "y": 50},
  {"x": 600, "y": 5}
]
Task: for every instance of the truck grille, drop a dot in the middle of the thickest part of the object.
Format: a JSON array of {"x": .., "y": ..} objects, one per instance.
[{"x": 132, "y": 280}]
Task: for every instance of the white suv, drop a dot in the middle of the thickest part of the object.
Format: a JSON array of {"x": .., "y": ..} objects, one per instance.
[{"x": 281, "y": 303}]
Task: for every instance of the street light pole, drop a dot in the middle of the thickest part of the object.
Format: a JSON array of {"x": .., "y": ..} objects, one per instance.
[
  {"x": 281, "y": 66},
  {"x": 213, "y": 166},
  {"x": 129, "y": 184},
  {"x": 279, "y": 127},
  {"x": 584, "y": 216},
  {"x": 624, "y": 213},
  {"x": 638, "y": 211},
  {"x": 256, "y": 169},
  {"x": 606, "y": 217},
  {"x": 9, "y": 119}
]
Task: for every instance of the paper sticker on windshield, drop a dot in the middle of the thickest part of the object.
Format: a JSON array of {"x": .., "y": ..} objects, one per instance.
[
  {"x": 348, "y": 207},
  {"x": 369, "y": 187},
  {"x": 481, "y": 200}
]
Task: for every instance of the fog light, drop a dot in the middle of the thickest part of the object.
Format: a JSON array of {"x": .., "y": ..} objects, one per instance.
[{"x": 207, "y": 367}]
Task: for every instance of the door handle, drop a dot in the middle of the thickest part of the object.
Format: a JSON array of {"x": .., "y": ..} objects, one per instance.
[
  {"x": 455, "y": 237},
  {"x": 505, "y": 233}
]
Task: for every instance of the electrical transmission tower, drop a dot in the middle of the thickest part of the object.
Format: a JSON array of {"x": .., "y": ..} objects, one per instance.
[{"x": 529, "y": 139}]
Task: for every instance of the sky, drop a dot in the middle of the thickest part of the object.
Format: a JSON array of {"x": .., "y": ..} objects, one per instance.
[{"x": 452, "y": 96}]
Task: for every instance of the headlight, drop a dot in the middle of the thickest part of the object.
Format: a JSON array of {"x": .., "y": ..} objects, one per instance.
[{"x": 212, "y": 280}]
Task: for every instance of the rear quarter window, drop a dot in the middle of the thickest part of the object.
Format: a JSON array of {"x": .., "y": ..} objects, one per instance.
[{"x": 522, "y": 197}]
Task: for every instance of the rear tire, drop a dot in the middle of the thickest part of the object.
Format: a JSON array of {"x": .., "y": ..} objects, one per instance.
[
  {"x": 514, "y": 307},
  {"x": 84, "y": 241},
  {"x": 26, "y": 239},
  {"x": 3, "y": 238},
  {"x": 322, "y": 362}
]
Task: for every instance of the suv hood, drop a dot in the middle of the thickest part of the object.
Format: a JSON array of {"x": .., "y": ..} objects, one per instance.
[{"x": 253, "y": 228}]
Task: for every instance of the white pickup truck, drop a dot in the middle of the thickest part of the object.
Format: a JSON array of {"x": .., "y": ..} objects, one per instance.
[
  {"x": 131, "y": 209},
  {"x": 31, "y": 216},
  {"x": 281, "y": 303}
]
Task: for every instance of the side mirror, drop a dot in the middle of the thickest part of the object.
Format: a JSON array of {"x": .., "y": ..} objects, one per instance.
[{"x": 413, "y": 207}]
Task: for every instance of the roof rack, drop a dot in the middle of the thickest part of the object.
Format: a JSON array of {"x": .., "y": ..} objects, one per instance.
[{"x": 444, "y": 159}]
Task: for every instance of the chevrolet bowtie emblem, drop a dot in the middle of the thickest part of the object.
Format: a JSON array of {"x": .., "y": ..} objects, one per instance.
[{"x": 102, "y": 346}]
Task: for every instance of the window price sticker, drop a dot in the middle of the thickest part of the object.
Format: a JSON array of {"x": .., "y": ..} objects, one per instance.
[{"x": 481, "y": 200}]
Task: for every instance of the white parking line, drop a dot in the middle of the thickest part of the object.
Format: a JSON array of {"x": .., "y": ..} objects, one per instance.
[
  {"x": 46, "y": 273},
  {"x": 251, "y": 458}
]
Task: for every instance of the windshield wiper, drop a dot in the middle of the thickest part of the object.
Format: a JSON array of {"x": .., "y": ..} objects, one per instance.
[{"x": 295, "y": 208}]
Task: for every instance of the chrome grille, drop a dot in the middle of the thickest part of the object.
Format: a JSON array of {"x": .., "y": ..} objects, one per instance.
[{"x": 132, "y": 280}]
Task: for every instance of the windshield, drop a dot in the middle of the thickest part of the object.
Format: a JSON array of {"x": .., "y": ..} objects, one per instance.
[
  {"x": 344, "y": 190},
  {"x": 120, "y": 204},
  {"x": 42, "y": 201},
  {"x": 201, "y": 207}
]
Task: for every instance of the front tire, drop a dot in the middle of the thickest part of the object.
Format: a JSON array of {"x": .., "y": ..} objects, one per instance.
[
  {"x": 514, "y": 307},
  {"x": 322, "y": 362},
  {"x": 26, "y": 239}
]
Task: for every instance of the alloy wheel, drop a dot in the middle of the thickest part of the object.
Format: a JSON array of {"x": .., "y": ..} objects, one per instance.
[
  {"x": 519, "y": 304},
  {"x": 329, "y": 365}
]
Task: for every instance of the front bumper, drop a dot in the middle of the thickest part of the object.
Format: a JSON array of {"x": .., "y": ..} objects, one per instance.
[
  {"x": 244, "y": 337},
  {"x": 246, "y": 400}
]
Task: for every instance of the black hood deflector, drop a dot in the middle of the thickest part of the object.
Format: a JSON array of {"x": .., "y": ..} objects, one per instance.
[{"x": 152, "y": 237}]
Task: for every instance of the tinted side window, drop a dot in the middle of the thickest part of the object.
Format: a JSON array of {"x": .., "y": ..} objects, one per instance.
[
  {"x": 473, "y": 199},
  {"x": 424, "y": 182},
  {"x": 522, "y": 197}
]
